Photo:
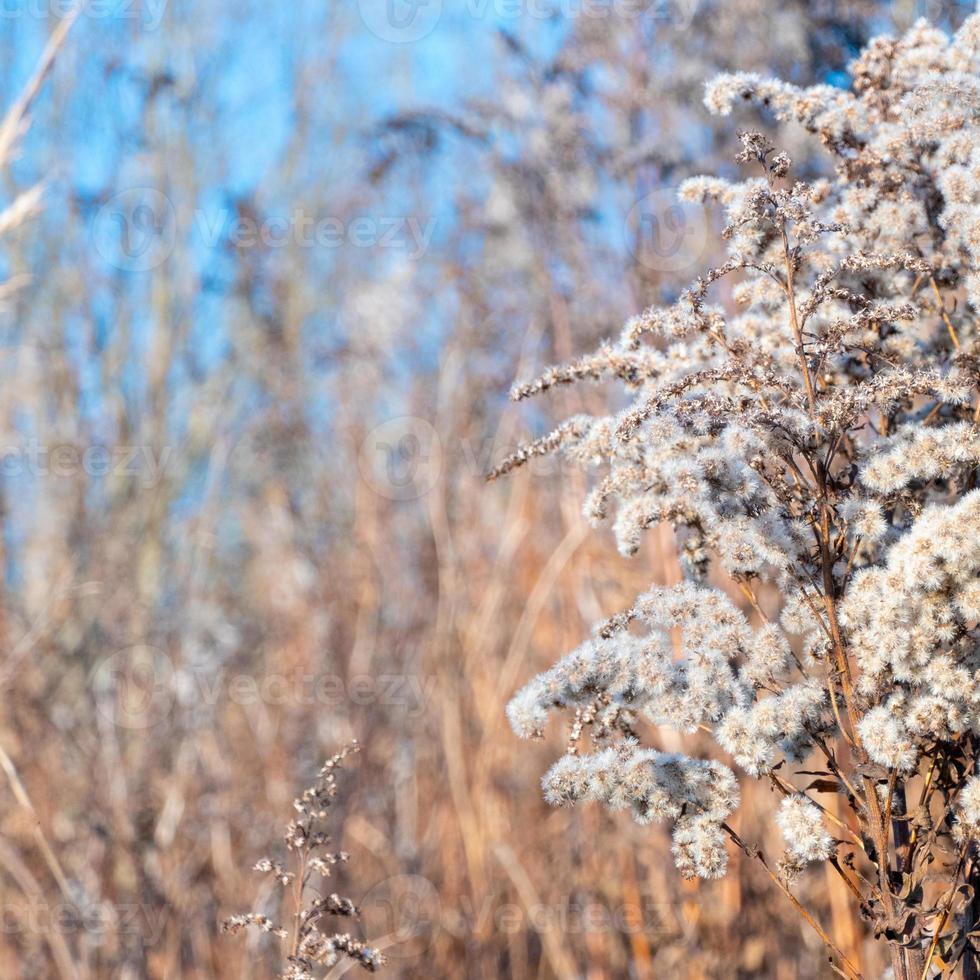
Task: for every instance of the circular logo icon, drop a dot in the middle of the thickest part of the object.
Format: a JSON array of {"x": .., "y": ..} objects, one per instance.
[
  {"x": 135, "y": 230},
  {"x": 400, "y": 21},
  {"x": 135, "y": 688},
  {"x": 665, "y": 234},
  {"x": 404, "y": 914},
  {"x": 401, "y": 459}
]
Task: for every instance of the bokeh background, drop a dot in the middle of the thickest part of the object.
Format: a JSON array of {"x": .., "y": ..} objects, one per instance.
[{"x": 255, "y": 349}]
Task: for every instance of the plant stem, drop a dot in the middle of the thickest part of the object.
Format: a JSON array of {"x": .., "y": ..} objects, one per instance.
[{"x": 851, "y": 971}]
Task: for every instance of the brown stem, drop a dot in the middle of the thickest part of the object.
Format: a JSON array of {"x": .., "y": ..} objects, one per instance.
[
  {"x": 851, "y": 970},
  {"x": 877, "y": 823},
  {"x": 948, "y": 904},
  {"x": 795, "y": 324},
  {"x": 943, "y": 313},
  {"x": 971, "y": 915}
]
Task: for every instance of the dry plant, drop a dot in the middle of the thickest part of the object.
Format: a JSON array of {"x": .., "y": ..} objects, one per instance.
[
  {"x": 258, "y": 551},
  {"x": 13, "y": 127},
  {"x": 819, "y": 448},
  {"x": 310, "y": 949}
]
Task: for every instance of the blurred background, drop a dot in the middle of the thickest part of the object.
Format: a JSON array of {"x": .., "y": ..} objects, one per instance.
[{"x": 255, "y": 349}]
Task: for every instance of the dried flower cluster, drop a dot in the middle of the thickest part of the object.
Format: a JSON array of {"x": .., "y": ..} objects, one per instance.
[
  {"x": 805, "y": 417},
  {"x": 310, "y": 948}
]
